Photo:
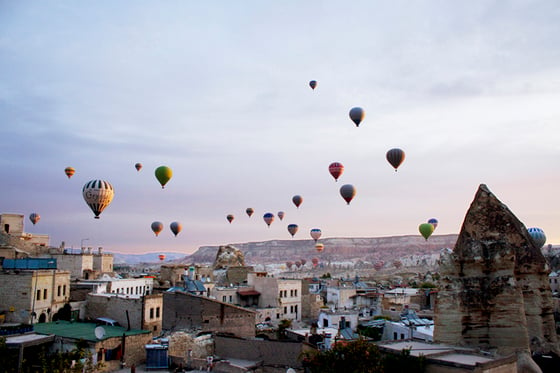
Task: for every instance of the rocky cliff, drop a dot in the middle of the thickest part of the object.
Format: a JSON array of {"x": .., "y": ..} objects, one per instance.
[{"x": 494, "y": 291}]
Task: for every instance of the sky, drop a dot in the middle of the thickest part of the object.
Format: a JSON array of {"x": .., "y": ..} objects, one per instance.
[{"x": 219, "y": 92}]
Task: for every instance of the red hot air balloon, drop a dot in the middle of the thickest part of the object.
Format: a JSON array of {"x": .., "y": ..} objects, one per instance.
[
  {"x": 336, "y": 169},
  {"x": 313, "y": 84},
  {"x": 268, "y": 218},
  {"x": 395, "y": 157},
  {"x": 161, "y": 257},
  {"x": 315, "y": 261},
  {"x": 69, "y": 171},
  {"x": 357, "y": 114},
  {"x": 297, "y": 200},
  {"x": 157, "y": 227},
  {"x": 347, "y": 191},
  {"x": 230, "y": 218}
]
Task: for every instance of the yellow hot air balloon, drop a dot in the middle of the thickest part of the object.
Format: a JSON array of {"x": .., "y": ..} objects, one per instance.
[{"x": 163, "y": 175}]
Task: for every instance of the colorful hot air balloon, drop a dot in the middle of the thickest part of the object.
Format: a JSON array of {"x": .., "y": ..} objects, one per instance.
[
  {"x": 434, "y": 222},
  {"x": 281, "y": 214},
  {"x": 98, "y": 194},
  {"x": 426, "y": 230},
  {"x": 69, "y": 171},
  {"x": 176, "y": 227},
  {"x": 34, "y": 217},
  {"x": 315, "y": 234},
  {"x": 163, "y": 175},
  {"x": 313, "y": 84},
  {"x": 357, "y": 114},
  {"x": 293, "y": 228},
  {"x": 161, "y": 257},
  {"x": 347, "y": 191},
  {"x": 297, "y": 200},
  {"x": 268, "y": 218},
  {"x": 319, "y": 247},
  {"x": 157, "y": 227},
  {"x": 298, "y": 263},
  {"x": 538, "y": 236},
  {"x": 230, "y": 218},
  {"x": 315, "y": 261},
  {"x": 336, "y": 169},
  {"x": 138, "y": 166},
  {"x": 395, "y": 157},
  {"x": 289, "y": 264},
  {"x": 249, "y": 211}
]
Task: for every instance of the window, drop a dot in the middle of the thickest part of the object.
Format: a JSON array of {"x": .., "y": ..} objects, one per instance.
[
  {"x": 295, "y": 293},
  {"x": 277, "y": 316},
  {"x": 402, "y": 336},
  {"x": 44, "y": 293},
  {"x": 224, "y": 298},
  {"x": 157, "y": 312},
  {"x": 291, "y": 292},
  {"x": 38, "y": 294},
  {"x": 291, "y": 309},
  {"x": 395, "y": 335},
  {"x": 280, "y": 294},
  {"x": 285, "y": 310},
  {"x": 64, "y": 290},
  {"x": 58, "y": 290},
  {"x": 231, "y": 298},
  {"x": 151, "y": 313}
]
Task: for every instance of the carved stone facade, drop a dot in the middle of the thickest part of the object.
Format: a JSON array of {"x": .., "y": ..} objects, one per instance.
[{"x": 494, "y": 292}]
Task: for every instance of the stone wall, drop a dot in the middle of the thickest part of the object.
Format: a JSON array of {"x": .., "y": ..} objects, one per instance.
[{"x": 183, "y": 311}]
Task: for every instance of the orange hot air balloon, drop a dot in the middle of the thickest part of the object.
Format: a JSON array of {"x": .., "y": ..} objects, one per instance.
[
  {"x": 319, "y": 247},
  {"x": 336, "y": 169},
  {"x": 157, "y": 227},
  {"x": 69, "y": 171},
  {"x": 161, "y": 257},
  {"x": 357, "y": 114},
  {"x": 176, "y": 227}
]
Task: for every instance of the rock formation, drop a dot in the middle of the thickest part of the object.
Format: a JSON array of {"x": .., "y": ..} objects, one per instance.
[
  {"x": 494, "y": 292},
  {"x": 229, "y": 256}
]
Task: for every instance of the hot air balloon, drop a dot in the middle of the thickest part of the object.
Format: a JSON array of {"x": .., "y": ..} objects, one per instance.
[
  {"x": 98, "y": 194},
  {"x": 230, "y": 218},
  {"x": 315, "y": 234},
  {"x": 378, "y": 265},
  {"x": 163, "y": 175},
  {"x": 293, "y": 228},
  {"x": 157, "y": 227},
  {"x": 298, "y": 263},
  {"x": 289, "y": 264},
  {"x": 138, "y": 166},
  {"x": 347, "y": 191},
  {"x": 319, "y": 247},
  {"x": 69, "y": 171},
  {"x": 357, "y": 114},
  {"x": 426, "y": 230},
  {"x": 161, "y": 257},
  {"x": 281, "y": 214},
  {"x": 249, "y": 211},
  {"x": 336, "y": 169},
  {"x": 297, "y": 200},
  {"x": 176, "y": 227},
  {"x": 538, "y": 236},
  {"x": 313, "y": 84},
  {"x": 315, "y": 261},
  {"x": 268, "y": 218},
  {"x": 434, "y": 222},
  {"x": 395, "y": 157},
  {"x": 303, "y": 261},
  {"x": 34, "y": 217}
]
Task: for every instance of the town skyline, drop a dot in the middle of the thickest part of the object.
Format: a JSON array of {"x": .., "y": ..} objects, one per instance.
[{"x": 220, "y": 94}]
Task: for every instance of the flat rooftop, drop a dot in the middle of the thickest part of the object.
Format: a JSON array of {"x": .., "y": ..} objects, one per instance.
[{"x": 82, "y": 330}]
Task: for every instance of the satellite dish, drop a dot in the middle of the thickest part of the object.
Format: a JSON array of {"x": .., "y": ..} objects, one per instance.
[
  {"x": 99, "y": 332},
  {"x": 290, "y": 370}
]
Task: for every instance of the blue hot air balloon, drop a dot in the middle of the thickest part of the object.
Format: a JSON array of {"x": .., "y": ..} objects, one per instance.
[{"x": 538, "y": 236}]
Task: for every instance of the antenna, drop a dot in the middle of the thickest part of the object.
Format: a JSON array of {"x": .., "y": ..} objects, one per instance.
[{"x": 99, "y": 332}]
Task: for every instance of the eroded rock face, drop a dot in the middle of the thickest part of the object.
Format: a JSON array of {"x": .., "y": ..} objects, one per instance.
[
  {"x": 229, "y": 256},
  {"x": 494, "y": 291}
]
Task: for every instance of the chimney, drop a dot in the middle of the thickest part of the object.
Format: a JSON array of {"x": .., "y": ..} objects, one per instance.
[{"x": 100, "y": 250}]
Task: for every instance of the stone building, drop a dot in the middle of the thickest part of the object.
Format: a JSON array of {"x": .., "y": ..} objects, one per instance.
[
  {"x": 494, "y": 290},
  {"x": 31, "y": 296},
  {"x": 15, "y": 242},
  {"x": 138, "y": 312},
  {"x": 281, "y": 293},
  {"x": 86, "y": 264},
  {"x": 183, "y": 311}
]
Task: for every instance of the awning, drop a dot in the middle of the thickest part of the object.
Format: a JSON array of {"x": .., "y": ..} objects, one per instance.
[{"x": 247, "y": 293}]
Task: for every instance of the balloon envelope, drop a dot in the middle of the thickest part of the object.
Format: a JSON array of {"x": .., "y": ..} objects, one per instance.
[
  {"x": 69, "y": 171},
  {"x": 297, "y": 200},
  {"x": 157, "y": 227},
  {"x": 434, "y": 222},
  {"x": 138, "y": 166},
  {"x": 315, "y": 261},
  {"x": 34, "y": 217},
  {"x": 395, "y": 157},
  {"x": 293, "y": 228},
  {"x": 538, "y": 236},
  {"x": 313, "y": 84},
  {"x": 268, "y": 218},
  {"x": 98, "y": 194},
  {"x": 176, "y": 227},
  {"x": 281, "y": 214},
  {"x": 336, "y": 169},
  {"x": 426, "y": 230},
  {"x": 163, "y": 175},
  {"x": 315, "y": 233},
  {"x": 249, "y": 211},
  {"x": 357, "y": 114},
  {"x": 347, "y": 192},
  {"x": 161, "y": 257},
  {"x": 230, "y": 218},
  {"x": 319, "y": 247}
]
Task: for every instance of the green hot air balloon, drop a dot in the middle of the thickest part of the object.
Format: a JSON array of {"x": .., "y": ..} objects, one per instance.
[
  {"x": 163, "y": 175},
  {"x": 426, "y": 230}
]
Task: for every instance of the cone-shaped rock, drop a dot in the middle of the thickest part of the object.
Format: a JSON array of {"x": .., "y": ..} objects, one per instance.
[{"x": 494, "y": 292}]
